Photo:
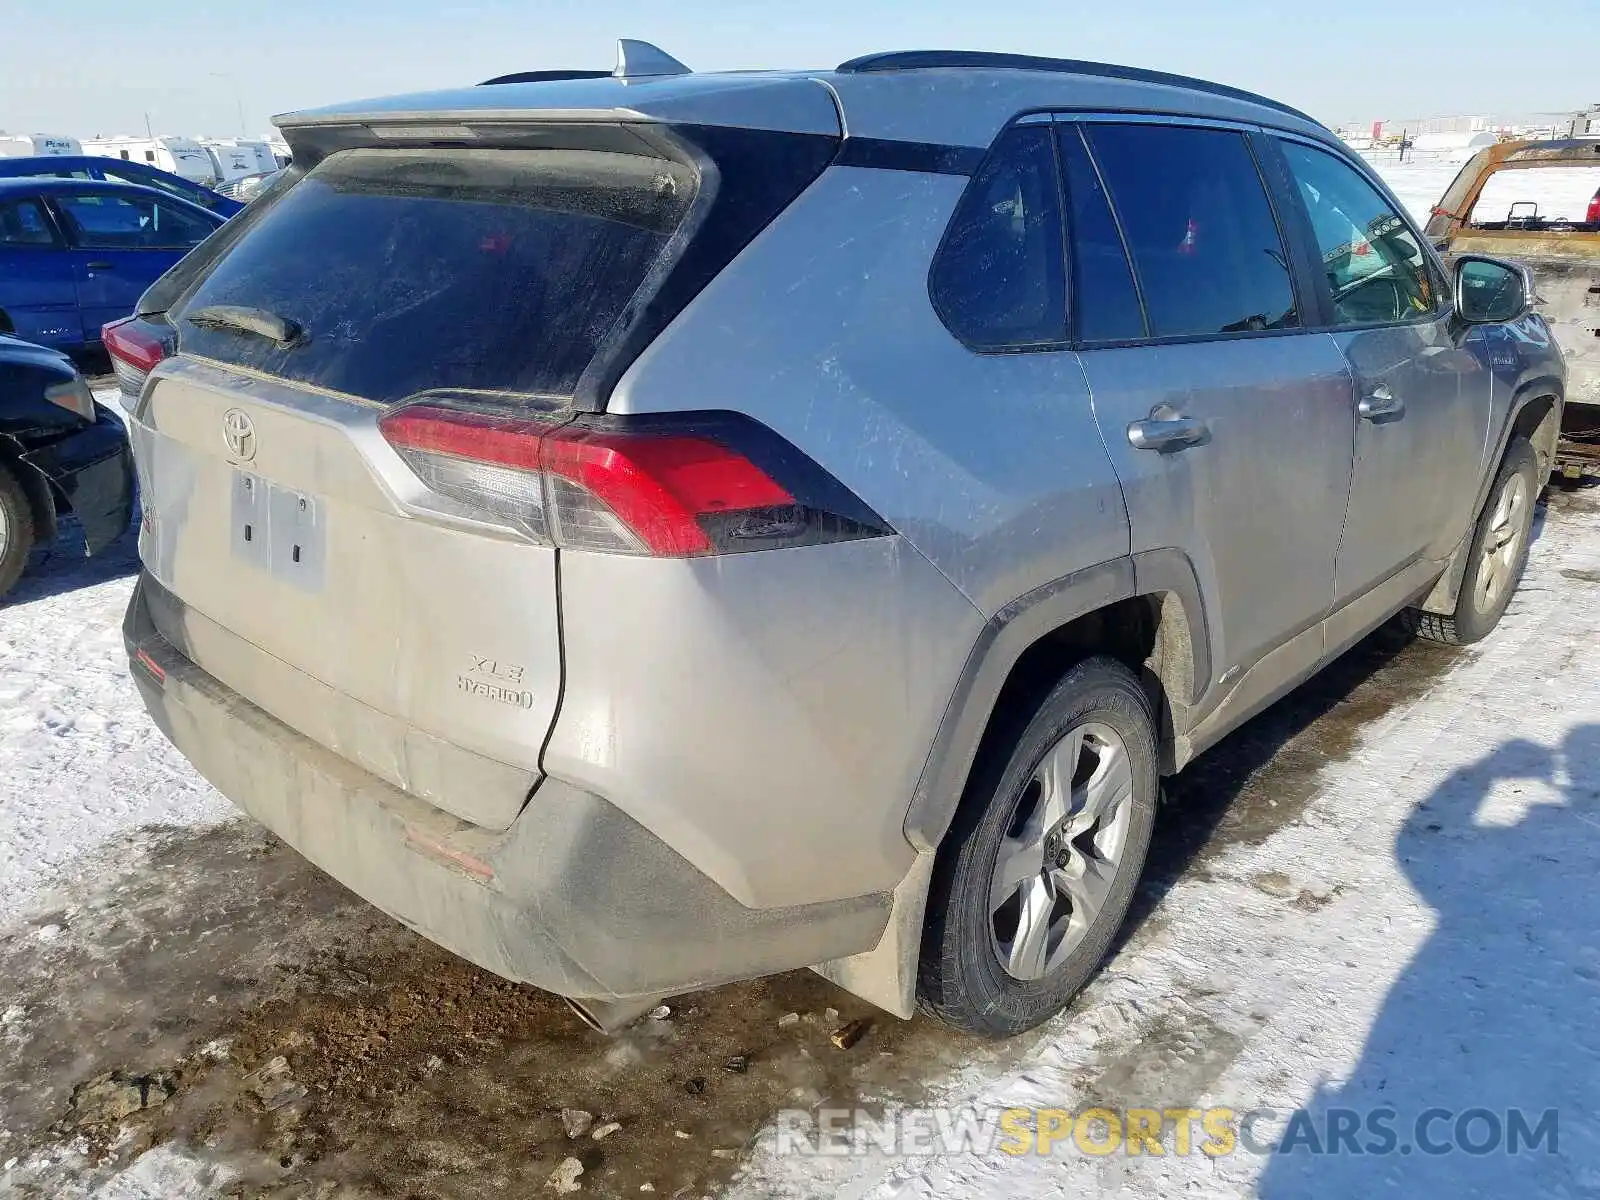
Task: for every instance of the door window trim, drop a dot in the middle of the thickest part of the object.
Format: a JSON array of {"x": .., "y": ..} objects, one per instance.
[
  {"x": 1444, "y": 306},
  {"x": 1305, "y": 296}
]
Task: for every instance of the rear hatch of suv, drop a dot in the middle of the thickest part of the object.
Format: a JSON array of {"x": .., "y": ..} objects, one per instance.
[{"x": 361, "y": 572}]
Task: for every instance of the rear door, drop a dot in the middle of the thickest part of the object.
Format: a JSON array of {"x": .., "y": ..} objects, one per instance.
[
  {"x": 1424, "y": 388},
  {"x": 38, "y": 293},
  {"x": 416, "y": 636},
  {"x": 1229, "y": 424},
  {"x": 121, "y": 243}
]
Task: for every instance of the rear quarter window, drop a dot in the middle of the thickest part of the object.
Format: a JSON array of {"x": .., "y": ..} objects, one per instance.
[{"x": 468, "y": 270}]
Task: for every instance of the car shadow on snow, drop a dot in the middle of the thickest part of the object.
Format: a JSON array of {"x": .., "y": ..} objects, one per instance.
[
  {"x": 1478, "y": 1077},
  {"x": 60, "y": 566}
]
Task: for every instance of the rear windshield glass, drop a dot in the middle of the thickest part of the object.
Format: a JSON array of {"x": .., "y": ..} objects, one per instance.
[
  {"x": 1535, "y": 197},
  {"x": 413, "y": 270}
]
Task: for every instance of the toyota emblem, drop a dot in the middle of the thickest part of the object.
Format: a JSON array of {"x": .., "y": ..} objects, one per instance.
[{"x": 240, "y": 432}]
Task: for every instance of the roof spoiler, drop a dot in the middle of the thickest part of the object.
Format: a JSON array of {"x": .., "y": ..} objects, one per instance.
[{"x": 635, "y": 60}]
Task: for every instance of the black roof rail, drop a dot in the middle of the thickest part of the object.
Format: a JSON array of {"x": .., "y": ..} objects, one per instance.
[
  {"x": 544, "y": 76},
  {"x": 916, "y": 60}
]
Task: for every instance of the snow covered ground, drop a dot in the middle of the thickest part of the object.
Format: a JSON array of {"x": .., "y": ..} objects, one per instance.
[{"x": 1403, "y": 913}]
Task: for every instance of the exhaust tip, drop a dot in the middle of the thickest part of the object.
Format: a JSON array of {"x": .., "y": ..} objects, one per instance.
[{"x": 611, "y": 1016}]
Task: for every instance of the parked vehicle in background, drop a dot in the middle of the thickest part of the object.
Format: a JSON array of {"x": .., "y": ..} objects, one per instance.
[
  {"x": 1539, "y": 203},
  {"x": 118, "y": 171},
  {"x": 176, "y": 155},
  {"x": 248, "y": 188},
  {"x": 75, "y": 254},
  {"x": 60, "y": 451},
  {"x": 237, "y": 158},
  {"x": 33, "y": 145},
  {"x": 665, "y": 539}
]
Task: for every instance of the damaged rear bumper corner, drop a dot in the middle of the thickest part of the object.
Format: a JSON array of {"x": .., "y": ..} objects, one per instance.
[
  {"x": 92, "y": 470},
  {"x": 575, "y": 897}
]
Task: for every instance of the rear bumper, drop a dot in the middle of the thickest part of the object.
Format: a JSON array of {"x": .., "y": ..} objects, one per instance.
[
  {"x": 93, "y": 470},
  {"x": 575, "y": 897}
]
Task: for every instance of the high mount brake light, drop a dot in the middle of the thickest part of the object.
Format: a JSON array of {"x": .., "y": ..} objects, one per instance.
[{"x": 662, "y": 491}]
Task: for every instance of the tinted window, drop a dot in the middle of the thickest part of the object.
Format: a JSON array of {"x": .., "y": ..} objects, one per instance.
[
  {"x": 146, "y": 180},
  {"x": 999, "y": 279},
  {"x": 103, "y": 221},
  {"x": 1201, "y": 231},
  {"x": 1105, "y": 303},
  {"x": 1374, "y": 266},
  {"x": 24, "y": 223},
  {"x": 413, "y": 270}
]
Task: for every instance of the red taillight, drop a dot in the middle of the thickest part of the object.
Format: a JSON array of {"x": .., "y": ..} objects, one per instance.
[
  {"x": 1592, "y": 217},
  {"x": 128, "y": 343},
  {"x": 135, "y": 350},
  {"x": 584, "y": 488}
]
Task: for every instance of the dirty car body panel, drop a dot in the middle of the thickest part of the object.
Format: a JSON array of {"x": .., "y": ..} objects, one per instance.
[{"x": 717, "y": 724}]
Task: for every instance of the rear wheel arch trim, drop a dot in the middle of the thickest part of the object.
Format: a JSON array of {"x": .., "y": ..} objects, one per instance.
[{"x": 1155, "y": 575}]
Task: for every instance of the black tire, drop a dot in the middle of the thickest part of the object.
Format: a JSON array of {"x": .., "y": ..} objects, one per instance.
[
  {"x": 16, "y": 529},
  {"x": 961, "y": 980},
  {"x": 1470, "y": 622}
]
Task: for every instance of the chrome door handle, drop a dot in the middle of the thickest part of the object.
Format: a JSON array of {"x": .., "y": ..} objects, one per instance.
[
  {"x": 1167, "y": 434},
  {"x": 1380, "y": 405}
]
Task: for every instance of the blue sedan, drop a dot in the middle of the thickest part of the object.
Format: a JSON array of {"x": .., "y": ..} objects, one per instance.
[
  {"x": 76, "y": 254},
  {"x": 116, "y": 170}
]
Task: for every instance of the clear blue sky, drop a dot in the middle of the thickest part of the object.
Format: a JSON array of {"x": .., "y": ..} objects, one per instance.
[{"x": 101, "y": 68}]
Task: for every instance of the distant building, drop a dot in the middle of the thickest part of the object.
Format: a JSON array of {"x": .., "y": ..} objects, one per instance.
[{"x": 1586, "y": 123}]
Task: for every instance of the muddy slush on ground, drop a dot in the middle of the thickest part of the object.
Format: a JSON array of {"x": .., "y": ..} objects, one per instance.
[{"x": 226, "y": 998}]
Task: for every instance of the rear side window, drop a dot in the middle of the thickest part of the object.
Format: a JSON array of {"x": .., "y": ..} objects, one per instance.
[
  {"x": 1204, "y": 240},
  {"x": 472, "y": 270},
  {"x": 999, "y": 279},
  {"x": 1105, "y": 302},
  {"x": 23, "y": 223}
]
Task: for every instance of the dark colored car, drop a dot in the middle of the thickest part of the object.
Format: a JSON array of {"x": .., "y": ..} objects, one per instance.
[
  {"x": 116, "y": 170},
  {"x": 60, "y": 451},
  {"x": 76, "y": 254}
]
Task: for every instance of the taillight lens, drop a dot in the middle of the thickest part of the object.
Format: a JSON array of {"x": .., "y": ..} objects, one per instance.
[
  {"x": 135, "y": 347},
  {"x": 677, "y": 488},
  {"x": 1592, "y": 217}
]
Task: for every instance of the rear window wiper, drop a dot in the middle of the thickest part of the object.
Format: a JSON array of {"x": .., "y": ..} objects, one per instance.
[{"x": 240, "y": 319}]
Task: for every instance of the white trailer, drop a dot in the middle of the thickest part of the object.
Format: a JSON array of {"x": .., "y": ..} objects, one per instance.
[
  {"x": 178, "y": 155},
  {"x": 37, "y": 145},
  {"x": 235, "y": 158}
]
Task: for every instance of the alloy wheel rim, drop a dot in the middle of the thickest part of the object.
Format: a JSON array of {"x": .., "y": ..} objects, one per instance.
[
  {"x": 5, "y": 531},
  {"x": 1502, "y": 544},
  {"x": 1061, "y": 853}
]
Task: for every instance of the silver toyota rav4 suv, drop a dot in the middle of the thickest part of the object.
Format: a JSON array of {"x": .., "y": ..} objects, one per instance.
[{"x": 644, "y": 530}]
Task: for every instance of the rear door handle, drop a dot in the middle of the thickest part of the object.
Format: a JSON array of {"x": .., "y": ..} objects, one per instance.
[
  {"x": 1380, "y": 405},
  {"x": 1167, "y": 434},
  {"x": 101, "y": 266}
]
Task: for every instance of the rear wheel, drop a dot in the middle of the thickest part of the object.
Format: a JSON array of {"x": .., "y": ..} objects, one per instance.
[
  {"x": 16, "y": 529},
  {"x": 1496, "y": 557},
  {"x": 1036, "y": 875}
]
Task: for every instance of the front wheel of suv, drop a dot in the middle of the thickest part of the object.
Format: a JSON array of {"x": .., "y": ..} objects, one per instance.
[
  {"x": 1036, "y": 875},
  {"x": 1496, "y": 557}
]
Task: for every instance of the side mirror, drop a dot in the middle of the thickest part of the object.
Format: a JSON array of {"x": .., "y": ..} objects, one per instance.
[{"x": 1489, "y": 291}]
